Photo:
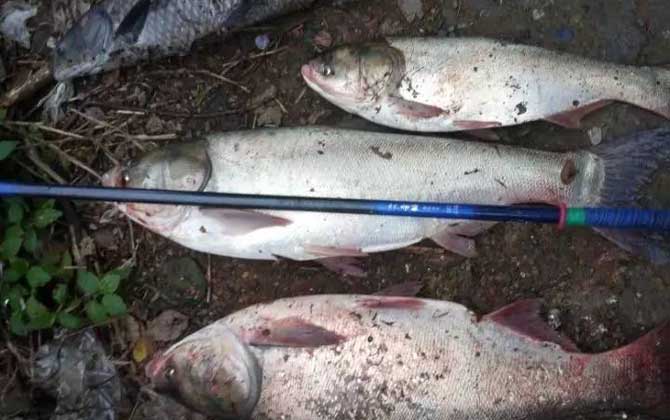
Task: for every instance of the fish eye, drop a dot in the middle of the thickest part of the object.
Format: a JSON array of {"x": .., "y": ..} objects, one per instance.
[
  {"x": 170, "y": 372},
  {"x": 125, "y": 179},
  {"x": 327, "y": 70}
]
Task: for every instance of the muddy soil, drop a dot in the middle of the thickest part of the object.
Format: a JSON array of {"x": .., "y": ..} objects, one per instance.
[{"x": 596, "y": 293}]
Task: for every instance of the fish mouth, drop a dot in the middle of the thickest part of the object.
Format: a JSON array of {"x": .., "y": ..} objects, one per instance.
[{"x": 113, "y": 178}]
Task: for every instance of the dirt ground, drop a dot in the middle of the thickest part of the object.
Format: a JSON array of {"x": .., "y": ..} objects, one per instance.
[{"x": 595, "y": 293}]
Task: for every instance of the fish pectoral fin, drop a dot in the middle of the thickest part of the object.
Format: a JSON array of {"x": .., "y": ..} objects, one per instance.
[
  {"x": 460, "y": 245},
  {"x": 473, "y": 125},
  {"x": 523, "y": 317},
  {"x": 408, "y": 289},
  {"x": 333, "y": 251},
  {"x": 133, "y": 23},
  {"x": 573, "y": 118},
  {"x": 241, "y": 222},
  {"x": 291, "y": 332},
  {"x": 414, "y": 110}
]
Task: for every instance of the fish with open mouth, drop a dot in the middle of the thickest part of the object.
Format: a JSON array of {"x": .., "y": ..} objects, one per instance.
[
  {"x": 456, "y": 84},
  {"x": 116, "y": 33},
  {"x": 375, "y": 357},
  {"x": 338, "y": 163}
]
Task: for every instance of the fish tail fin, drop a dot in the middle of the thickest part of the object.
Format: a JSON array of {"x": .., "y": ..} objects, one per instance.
[
  {"x": 630, "y": 165},
  {"x": 645, "y": 372}
]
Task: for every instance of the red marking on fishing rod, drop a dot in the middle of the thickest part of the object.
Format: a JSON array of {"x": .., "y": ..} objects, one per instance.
[{"x": 563, "y": 216}]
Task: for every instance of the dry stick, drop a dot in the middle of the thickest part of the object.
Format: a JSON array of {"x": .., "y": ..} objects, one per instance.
[
  {"x": 37, "y": 160},
  {"x": 73, "y": 160},
  {"x": 113, "y": 129},
  {"x": 209, "y": 278},
  {"x": 222, "y": 78},
  {"x": 130, "y": 110},
  {"x": 45, "y": 128},
  {"x": 25, "y": 90}
]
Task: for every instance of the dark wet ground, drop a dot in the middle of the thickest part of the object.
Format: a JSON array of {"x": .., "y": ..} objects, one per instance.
[{"x": 598, "y": 295}]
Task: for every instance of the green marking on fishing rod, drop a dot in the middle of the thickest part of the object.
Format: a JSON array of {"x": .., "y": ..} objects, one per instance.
[{"x": 575, "y": 217}]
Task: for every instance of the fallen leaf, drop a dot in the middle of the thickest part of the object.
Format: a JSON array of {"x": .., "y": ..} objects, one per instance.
[
  {"x": 143, "y": 349},
  {"x": 168, "y": 326}
]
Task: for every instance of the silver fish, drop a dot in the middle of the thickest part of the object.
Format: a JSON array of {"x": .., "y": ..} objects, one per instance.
[
  {"x": 326, "y": 162},
  {"x": 372, "y": 357},
  {"x": 117, "y": 33},
  {"x": 447, "y": 84}
]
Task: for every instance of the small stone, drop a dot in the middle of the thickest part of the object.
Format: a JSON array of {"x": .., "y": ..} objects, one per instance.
[
  {"x": 538, "y": 14},
  {"x": 168, "y": 326},
  {"x": 154, "y": 125},
  {"x": 263, "y": 42},
  {"x": 104, "y": 238},
  {"x": 554, "y": 318},
  {"x": 261, "y": 98},
  {"x": 412, "y": 9},
  {"x": 596, "y": 135},
  {"x": 269, "y": 116}
]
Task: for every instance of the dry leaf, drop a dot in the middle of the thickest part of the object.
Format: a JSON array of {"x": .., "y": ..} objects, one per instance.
[
  {"x": 168, "y": 326},
  {"x": 143, "y": 349}
]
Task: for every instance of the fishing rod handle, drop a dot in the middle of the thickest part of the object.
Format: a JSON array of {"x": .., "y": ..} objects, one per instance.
[{"x": 625, "y": 218}]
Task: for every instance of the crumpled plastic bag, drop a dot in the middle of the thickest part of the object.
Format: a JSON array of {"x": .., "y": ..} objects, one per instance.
[
  {"x": 78, "y": 373},
  {"x": 13, "y": 17},
  {"x": 56, "y": 100}
]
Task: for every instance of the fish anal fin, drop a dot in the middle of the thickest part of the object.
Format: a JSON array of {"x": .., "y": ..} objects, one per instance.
[
  {"x": 333, "y": 251},
  {"x": 292, "y": 332},
  {"x": 414, "y": 110},
  {"x": 241, "y": 222},
  {"x": 573, "y": 118},
  {"x": 485, "y": 134},
  {"x": 457, "y": 244},
  {"x": 523, "y": 317},
  {"x": 133, "y": 23},
  {"x": 471, "y": 125}
]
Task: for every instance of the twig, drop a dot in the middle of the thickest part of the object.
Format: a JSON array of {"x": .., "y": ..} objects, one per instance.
[
  {"x": 281, "y": 105},
  {"x": 73, "y": 160},
  {"x": 158, "y": 137},
  {"x": 209, "y": 278},
  {"x": 37, "y": 161},
  {"x": 300, "y": 96},
  {"x": 131, "y": 234},
  {"x": 75, "y": 247},
  {"x": 36, "y": 81},
  {"x": 45, "y": 128},
  {"x": 129, "y": 110},
  {"x": 113, "y": 129},
  {"x": 223, "y": 79}
]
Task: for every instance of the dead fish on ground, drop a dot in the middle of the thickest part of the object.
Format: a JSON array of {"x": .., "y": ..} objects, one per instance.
[
  {"x": 326, "y": 162},
  {"x": 118, "y": 33},
  {"x": 447, "y": 84},
  {"x": 374, "y": 357}
]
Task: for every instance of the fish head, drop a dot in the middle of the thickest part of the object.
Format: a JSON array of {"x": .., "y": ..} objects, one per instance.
[
  {"x": 179, "y": 167},
  {"x": 211, "y": 371},
  {"x": 86, "y": 47},
  {"x": 354, "y": 76}
]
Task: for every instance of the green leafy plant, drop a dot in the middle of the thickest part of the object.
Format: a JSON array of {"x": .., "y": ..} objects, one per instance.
[{"x": 40, "y": 288}]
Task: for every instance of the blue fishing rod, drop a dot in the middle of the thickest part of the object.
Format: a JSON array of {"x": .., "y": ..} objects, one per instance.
[{"x": 612, "y": 218}]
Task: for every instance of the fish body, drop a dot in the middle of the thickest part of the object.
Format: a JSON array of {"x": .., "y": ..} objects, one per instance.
[
  {"x": 453, "y": 84},
  {"x": 117, "y": 33},
  {"x": 373, "y": 357},
  {"x": 332, "y": 163}
]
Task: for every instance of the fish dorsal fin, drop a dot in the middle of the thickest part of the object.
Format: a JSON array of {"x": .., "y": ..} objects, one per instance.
[
  {"x": 523, "y": 317},
  {"x": 292, "y": 332},
  {"x": 242, "y": 222},
  {"x": 132, "y": 24}
]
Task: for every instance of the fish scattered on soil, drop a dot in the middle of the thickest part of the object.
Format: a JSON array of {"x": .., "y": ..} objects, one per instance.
[
  {"x": 332, "y": 163},
  {"x": 447, "y": 84},
  {"x": 375, "y": 357},
  {"x": 118, "y": 33}
]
